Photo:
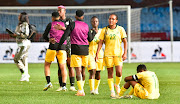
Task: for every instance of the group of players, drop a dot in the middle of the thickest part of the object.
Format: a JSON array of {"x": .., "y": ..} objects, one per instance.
[{"x": 74, "y": 44}]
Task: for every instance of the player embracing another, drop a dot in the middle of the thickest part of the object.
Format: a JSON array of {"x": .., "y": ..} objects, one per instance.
[
  {"x": 67, "y": 21},
  {"x": 113, "y": 35},
  {"x": 94, "y": 68},
  {"x": 53, "y": 50},
  {"x": 80, "y": 36}
]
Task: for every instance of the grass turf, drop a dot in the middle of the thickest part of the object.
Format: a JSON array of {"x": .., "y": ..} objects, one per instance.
[{"x": 13, "y": 91}]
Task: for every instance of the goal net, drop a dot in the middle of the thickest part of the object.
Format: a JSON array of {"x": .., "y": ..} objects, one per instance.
[{"x": 41, "y": 16}]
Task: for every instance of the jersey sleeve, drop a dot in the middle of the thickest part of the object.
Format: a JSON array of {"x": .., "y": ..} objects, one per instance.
[
  {"x": 139, "y": 75},
  {"x": 123, "y": 33},
  {"x": 101, "y": 36}
]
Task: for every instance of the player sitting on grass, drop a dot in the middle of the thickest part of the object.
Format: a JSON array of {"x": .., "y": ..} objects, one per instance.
[{"x": 145, "y": 84}]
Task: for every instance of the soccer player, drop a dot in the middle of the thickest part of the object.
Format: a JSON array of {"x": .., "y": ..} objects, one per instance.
[
  {"x": 21, "y": 35},
  {"x": 53, "y": 50},
  {"x": 145, "y": 84},
  {"x": 94, "y": 68},
  {"x": 113, "y": 35},
  {"x": 79, "y": 36},
  {"x": 67, "y": 21}
]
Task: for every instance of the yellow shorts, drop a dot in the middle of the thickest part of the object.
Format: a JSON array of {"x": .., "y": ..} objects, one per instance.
[
  {"x": 79, "y": 60},
  {"x": 140, "y": 91},
  {"x": 51, "y": 54},
  {"x": 93, "y": 65},
  {"x": 110, "y": 61}
]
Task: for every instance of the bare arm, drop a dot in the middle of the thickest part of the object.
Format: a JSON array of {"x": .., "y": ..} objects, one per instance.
[
  {"x": 98, "y": 49},
  {"x": 124, "y": 56},
  {"x": 59, "y": 27},
  {"x": 129, "y": 78}
]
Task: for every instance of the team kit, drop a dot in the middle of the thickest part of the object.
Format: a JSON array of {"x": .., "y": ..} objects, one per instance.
[{"x": 74, "y": 45}]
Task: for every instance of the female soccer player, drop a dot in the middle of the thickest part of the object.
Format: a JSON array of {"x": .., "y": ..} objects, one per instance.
[
  {"x": 113, "y": 35},
  {"x": 94, "y": 68}
]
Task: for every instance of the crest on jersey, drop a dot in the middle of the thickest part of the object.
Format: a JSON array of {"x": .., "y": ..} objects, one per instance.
[{"x": 67, "y": 23}]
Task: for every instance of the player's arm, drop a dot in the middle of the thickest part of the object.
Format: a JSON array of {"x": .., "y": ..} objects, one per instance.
[
  {"x": 59, "y": 27},
  {"x": 131, "y": 78},
  {"x": 124, "y": 56},
  {"x": 91, "y": 35},
  {"x": 98, "y": 49},
  {"x": 66, "y": 33},
  {"x": 101, "y": 40},
  {"x": 46, "y": 32}
]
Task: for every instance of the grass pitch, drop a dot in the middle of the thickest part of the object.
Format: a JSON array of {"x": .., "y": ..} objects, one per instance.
[{"x": 13, "y": 91}]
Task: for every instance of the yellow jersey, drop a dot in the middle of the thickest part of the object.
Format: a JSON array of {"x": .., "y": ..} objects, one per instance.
[
  {"x": 150, "y": 82},
  {"x": 113, "y": 39},
  {"x": 93, "y": 45}
]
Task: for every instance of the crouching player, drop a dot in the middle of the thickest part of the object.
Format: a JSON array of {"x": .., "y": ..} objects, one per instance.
[{"x": 145, "y": 84}]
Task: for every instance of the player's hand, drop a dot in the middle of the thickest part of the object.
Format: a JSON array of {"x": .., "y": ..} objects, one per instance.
[
  {"x": 52, "y": 40},
  {"x": 96, "y": 58},
  {"x": 59, "y": 27},
  {"x": 96, "y": 30},
  {"x": 124, "y": 56}
]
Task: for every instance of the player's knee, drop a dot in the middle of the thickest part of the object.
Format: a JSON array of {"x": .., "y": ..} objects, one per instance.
[{"x": 15, "y": 60}]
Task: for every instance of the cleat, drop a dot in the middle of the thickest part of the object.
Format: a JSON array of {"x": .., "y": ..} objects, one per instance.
[
  {"x": 117, "y": 88},
  {"x": 128, "y": 96},
  {"x": 59, "y": 89},
  {"x": 96, "y": 92},
  {"x": 25, "y": 77},
  {"x": 117, "y": 97},
  {"x": 92, "y": 92},
  {"x": 80, "y": 93},
  {"x": 72, "y": 88},
  {"x": 113, "y": 94},
  {"x": 64, "y": 88},
  {"x": 49, "y": 85}
]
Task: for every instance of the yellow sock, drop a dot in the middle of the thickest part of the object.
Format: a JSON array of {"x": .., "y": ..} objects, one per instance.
[
  {"x": 79, "y": 84},
  {"x": 118, "y": 80},
  {"x": 131, "y": 91},
  {"x": 111, "y": 84},
  {"x": 97, "y": 82},
  {"x": 83, "y": 82},
  {"x": 91, "y": 84},
  {"x": 122, "y": 91}
]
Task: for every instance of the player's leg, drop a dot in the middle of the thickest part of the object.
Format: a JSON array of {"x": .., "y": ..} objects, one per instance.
[
  {"x": 126, "y": 86},
  {"x": 76, "y": 62},
  {"x": 118, "y": 66},
  {"x": 139, "y": 90},
  {"x": 62, "y": 57},
  {"x": 18, "y": 61},
  {"x": 50, "y": 55},
  {"x": 91, "y": 80},
  {"x": 83, "y": 74},
  {"x": 111, "y": 81},
  {"x": 84, "y": 65},
  {"x": 24, "y": 58},
  {"x": 109, "y": 64},
  {"x": 22, "y": 63},
  {"x": 71, "y": 75},
  {"x": 99, "y": 68},
  {"x": 59, "y": 76},
  {"x": 97, "y": 82}
]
